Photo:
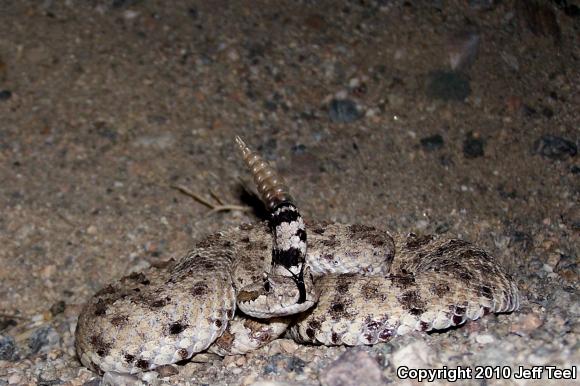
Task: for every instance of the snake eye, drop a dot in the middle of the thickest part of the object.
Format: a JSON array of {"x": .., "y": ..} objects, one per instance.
[{"x": 267, "y": 287}]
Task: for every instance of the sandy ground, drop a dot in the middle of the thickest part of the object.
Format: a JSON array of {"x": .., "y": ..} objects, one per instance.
[{"x": 458, "y": 118}]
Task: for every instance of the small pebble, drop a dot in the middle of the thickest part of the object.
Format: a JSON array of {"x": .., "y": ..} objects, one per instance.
[
  {"x": 298, "y": 149},
  {"x": 206, "y": 358},
  {"x": 57, "y": 308},
  {"x": 111, "y": 378},
  {"x": 421, "y": 225},
  {"x": 166, "y": 370},
  {"x": 14, "y": 379},
  {"x": 130, "y": 14},
  {"x": 6, "y": 322},
  {"x": 5, "y": 95},
  {"x": 241, "y": 360},
  {"x": 93, "y": 382},
  {"x": 282, "y": 346},
  {"x": 343, "y": 111},
  {"x": 161, "y": 141},
  {"x": 295, "y": 364},
  {"x": 525, "y": 323},
  {"x": 289, "y": 363},
  {"x": 473, "y": 146},
  {"x": 415, "y": 355},
  {"x": 42, "y": 338},
  {"x": 8, "y": 349},
  {"x": 248, "y": 380},
  {"x": 554, "y": 147},
  {"x": 193, "y": 12},
  {"x": 433, "y": 142},
  {"x": 229, "y": 360},
  {"x": 484, "y": 339},
  {"x": 288, "y": 346},
  {"x": 353, "y": 368},
  {"x": 48, "y": 271},
  {"x": 567, "y": 268},
  {"x": 354, "y": 82}
]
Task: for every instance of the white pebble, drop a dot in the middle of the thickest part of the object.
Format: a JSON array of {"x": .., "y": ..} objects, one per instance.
[
  {"x": 14, "y": 379},
  {"x": 484, "y": 339},
  {"x": 415, "y": 355}
]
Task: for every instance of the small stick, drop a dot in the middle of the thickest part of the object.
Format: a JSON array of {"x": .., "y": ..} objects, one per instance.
[
  {"x": 221, "y": 208},
  {"x": 215, "y": 197},
  {"x": 193, "y": 195},
  {"x": 214, "y": 208}
]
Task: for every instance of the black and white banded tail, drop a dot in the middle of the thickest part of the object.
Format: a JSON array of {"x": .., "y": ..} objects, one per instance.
[{"x": 289, "y": 250}]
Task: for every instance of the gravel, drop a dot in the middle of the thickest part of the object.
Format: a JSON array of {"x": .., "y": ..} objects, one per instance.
[{"x": 105, "y": 105}]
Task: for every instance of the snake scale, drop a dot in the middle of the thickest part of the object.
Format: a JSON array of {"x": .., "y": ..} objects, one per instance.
[{"x": 237, "y": 290}]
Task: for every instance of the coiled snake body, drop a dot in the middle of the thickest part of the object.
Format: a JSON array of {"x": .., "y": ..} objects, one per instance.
[{"x": 237, "y": 290}]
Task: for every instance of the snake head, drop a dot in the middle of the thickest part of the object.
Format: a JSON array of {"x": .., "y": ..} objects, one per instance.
[{"x": 278, "y": 295}]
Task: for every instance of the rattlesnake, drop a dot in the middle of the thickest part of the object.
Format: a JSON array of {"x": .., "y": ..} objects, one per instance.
[{"x": 239, "y": 289}]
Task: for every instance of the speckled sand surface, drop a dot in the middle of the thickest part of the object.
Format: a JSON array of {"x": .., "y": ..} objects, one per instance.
[{"x": 460, "y": 118}]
